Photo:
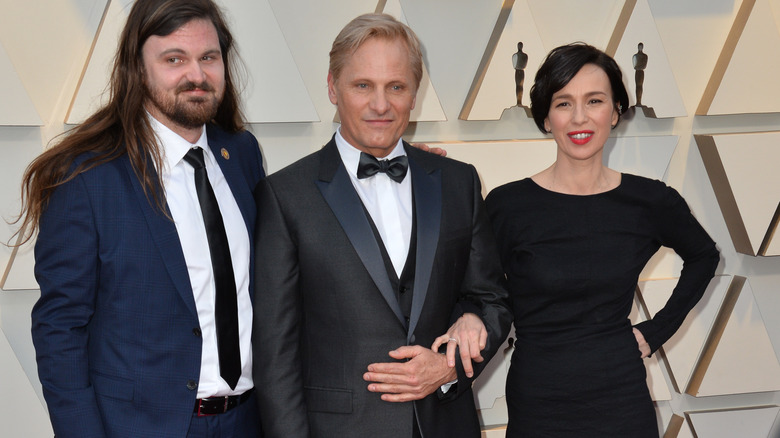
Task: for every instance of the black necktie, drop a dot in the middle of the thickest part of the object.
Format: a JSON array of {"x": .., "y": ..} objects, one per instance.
[
  {"x": 226, "y": 303},
  {"x": 370, "y": 166}
]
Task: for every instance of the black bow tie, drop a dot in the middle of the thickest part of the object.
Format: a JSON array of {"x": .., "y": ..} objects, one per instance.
[{"x": 395, "y": 168}]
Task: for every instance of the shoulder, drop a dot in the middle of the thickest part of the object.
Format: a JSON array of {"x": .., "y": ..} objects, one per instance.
[
  {"x": 652, "y": 190},
  {"x": 510, "y": 191},
  {"x": 431, "y": 161}
]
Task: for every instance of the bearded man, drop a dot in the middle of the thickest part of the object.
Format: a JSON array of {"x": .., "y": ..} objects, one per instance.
[{"x": 144, "y": 217}]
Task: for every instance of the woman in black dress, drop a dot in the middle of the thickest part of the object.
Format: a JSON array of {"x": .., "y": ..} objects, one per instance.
[{"x": 573, "y": 240}]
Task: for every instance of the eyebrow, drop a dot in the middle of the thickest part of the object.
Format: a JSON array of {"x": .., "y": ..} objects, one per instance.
[
  {"x": 178, "y": 51},
  {"x": 588, "y": 94}
]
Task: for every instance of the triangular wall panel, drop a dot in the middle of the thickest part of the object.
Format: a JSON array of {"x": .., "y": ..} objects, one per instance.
[
  {"x": 274, "y": 89},
  {"x": 494, "y": 87},
  {"x": 746, "y": 422},
  {"x": 427, "y": 108},
  {"x": 660, "y": 95},
  {"x": 743, "y": 170},
  {"x": 739, "y": 357},
  {"x": 744, "y": 79},
  {"x": 683, "y": 349},
  {"x": 16, "y": 107},
  {"x": 540, "y": 25}
]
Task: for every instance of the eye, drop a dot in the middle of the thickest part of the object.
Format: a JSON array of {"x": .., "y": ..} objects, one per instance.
[
  {"x": 174, "y": 60},
  {"x": 561, "y": 104},
  {"x": 595, "y": 101}
]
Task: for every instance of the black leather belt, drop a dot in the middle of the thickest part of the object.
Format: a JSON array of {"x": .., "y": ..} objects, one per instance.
[{"x": 219, "y": 405}]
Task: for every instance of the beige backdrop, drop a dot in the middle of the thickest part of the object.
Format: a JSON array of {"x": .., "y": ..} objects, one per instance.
[{"x": 712, "y": 77}]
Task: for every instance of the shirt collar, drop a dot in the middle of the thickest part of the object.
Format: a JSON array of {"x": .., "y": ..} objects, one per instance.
[
  {"x": 173, "y": 146},
  {"x": 350, "y": 155}
]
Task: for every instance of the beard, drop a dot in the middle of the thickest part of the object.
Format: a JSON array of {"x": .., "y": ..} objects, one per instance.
[{"x": 188, "y": 112}]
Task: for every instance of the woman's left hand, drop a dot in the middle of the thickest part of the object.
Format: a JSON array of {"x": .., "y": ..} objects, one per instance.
[
  {"x": 469, "y": 335},
  {"x": 644, "y": 347}
]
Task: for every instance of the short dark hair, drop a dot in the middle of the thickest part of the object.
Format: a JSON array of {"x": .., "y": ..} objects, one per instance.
[{"x": 561, "y": 65}]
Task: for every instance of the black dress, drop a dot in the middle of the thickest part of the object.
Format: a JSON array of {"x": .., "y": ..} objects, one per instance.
[{"x": 572, "y": 265}]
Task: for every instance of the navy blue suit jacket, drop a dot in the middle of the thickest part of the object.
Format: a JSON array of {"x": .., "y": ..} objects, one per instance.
[{"x": 116, "y": 332}]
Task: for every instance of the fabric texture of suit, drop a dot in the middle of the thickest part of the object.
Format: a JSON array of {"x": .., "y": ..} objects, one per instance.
[
  {"x": 116, "y": 331},
  {"x": 325, "y": 308}
]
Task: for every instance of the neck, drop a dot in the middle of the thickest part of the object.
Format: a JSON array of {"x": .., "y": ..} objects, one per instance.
[{"x": 580, "y": 179}]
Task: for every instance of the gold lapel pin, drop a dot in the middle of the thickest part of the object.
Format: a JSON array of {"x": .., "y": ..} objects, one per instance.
[{"x": 225, "y": 154}]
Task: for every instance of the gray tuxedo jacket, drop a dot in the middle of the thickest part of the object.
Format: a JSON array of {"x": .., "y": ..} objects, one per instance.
[{"x": 325, "y": 308}]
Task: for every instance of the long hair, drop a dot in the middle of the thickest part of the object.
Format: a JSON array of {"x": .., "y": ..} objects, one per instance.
[{"x": 121, "y": 127}]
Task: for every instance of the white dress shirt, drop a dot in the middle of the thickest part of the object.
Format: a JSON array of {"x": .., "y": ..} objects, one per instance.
[
  {"x": 389, "y": 203},
  {"x": 179, "y": 183}
]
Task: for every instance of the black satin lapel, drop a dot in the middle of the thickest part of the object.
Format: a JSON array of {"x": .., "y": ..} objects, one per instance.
[
  {"x": 345, "y": 204},
  {"x": 427, "y": 203}
]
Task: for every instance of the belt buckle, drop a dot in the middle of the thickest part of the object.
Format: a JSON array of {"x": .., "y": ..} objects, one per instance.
[{"x": 200, "y": 413}]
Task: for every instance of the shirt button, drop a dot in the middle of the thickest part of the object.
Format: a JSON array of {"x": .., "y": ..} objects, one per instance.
[
  {"x": 192, "y": 384},
  {"x": 196, "y": 331}
]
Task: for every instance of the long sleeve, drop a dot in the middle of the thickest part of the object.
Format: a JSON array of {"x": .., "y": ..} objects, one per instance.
[
  {"x": 482, "y": 290},
  {"x": 679, "y": 230},
  {"x": 67, "y": 270},
  {"x": 277, "y": 322}
]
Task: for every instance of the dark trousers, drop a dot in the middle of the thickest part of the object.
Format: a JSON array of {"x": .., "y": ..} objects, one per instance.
[{"x": 241, "y": 422}]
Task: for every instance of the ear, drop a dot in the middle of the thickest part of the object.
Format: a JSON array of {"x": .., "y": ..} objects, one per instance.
[
  {"x": 547, "y": 124},
  {"x": 332, "y": 89},
  {"x": 414, "y": 101},
  {"x": 615, "y": 116}
]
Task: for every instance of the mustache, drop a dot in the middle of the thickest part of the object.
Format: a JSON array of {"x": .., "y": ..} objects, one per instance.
[{"x": 191, "y": 86}]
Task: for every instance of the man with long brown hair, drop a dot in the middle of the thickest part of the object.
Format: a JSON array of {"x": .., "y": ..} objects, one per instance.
[{"x": 144, "y": 217}]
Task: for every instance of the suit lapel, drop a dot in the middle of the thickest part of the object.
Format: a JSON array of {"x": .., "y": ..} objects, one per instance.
[
  {"x": 337, "y": 189},
  {"x": 164, "y": 235},
  {"x": 426, "y": 187},
  {"x": 219, "y": 142}
]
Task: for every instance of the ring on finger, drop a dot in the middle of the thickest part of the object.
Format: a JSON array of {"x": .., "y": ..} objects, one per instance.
[{"x": 453, "y": 340}]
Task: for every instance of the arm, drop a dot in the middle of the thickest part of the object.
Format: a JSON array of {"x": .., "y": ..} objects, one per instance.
[
  {"x": 482, "y": 294},
  {"x": 67, "y": 270},
  {"x": 276, "y": 332},
  {"x": 679, "y": 230}
]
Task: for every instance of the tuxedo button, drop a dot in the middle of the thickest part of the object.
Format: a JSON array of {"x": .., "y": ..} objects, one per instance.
[
  {"x": 192, "y": 384},
  {"x": 403, "y": 289},
  {"x": 412, "y": 339},
  {"x": 196, "y": 331}
]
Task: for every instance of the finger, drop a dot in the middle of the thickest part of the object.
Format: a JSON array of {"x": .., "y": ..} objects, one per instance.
[
  {"x": 452, "y": 348},
  {"x": 482, "y": 339},
  {"x": 403, "y": 397},
  {"x": 386, "y": 378},
  {"x": 390, "y": 388},
  {"x": 465, "y": 359},
  {"x": 438, "y": 342},
  {"x": 406, "y": 352},
  {"x": 387, "y": 367}
]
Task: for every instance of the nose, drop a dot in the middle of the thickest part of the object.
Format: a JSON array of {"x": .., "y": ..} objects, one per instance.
[
  {"x": 580, "y": 114},
  {"x": 379, "y": 103},
  {"x": 195, "y": 73}
]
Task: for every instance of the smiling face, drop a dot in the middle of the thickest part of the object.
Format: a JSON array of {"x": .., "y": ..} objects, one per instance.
[
  {"x": 582, "y": 114},
  {"x": 185, "y": 77},
  {"x": 374, "y": 93}
]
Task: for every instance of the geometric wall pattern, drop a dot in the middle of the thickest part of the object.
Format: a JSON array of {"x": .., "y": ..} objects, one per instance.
[
  {"x": 538, "y": 26},
  {"x": 647, "y": 156},
  {"x": 743, "y": 171},
  {"x": 734, "y": 44},
  {"x": 744, "y": 80},
  {"x": 758, "y": 422},
  {"x": 723, "y": 346},
  {"x": 16, "y": 108},
  {"x": 275, "y": 91}
]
